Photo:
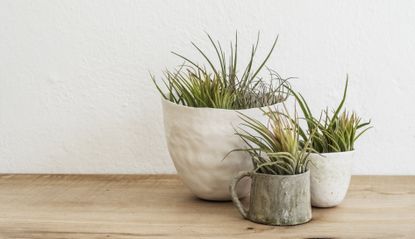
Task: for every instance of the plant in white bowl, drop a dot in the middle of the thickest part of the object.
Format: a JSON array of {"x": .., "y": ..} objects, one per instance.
[
  {"x": 200, "y": 106},
  {"x": 332, "y": 136}
]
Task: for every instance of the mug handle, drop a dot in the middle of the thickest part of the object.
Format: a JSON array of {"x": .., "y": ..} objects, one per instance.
[{"x": 232, "y": 189}]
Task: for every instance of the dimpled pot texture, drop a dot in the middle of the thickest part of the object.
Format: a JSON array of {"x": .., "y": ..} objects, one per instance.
[
  {"x": 330, "y": 177},
  {"x": 198, "y": 139}
]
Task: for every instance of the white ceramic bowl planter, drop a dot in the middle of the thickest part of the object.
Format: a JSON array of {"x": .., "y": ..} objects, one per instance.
[
  {"x": 330, "y": 177},
  {"x": 198, "y": 139}
]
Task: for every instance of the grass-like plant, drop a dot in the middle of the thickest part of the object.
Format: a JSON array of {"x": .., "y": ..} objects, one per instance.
[
  {"x": 274, "y": 148},
  {"x": 331, "y": 132},
  {"x": 222, "y": 84}
]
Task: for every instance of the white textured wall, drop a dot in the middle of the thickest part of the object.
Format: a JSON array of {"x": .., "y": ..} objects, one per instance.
[{"x": 75, "y": 95}]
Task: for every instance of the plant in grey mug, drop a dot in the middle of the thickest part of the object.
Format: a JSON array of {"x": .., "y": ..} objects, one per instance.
[{"x": 280, "y": 186}]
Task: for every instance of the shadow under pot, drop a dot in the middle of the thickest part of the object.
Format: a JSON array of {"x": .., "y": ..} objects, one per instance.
[
  {"x": 281, "y": 200},
  {"x": 198, "y": 139},
  {"x": 330, "y": 177}
]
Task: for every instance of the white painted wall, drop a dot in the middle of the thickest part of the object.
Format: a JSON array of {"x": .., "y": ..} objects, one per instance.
[{"x": 75, "y": 95}]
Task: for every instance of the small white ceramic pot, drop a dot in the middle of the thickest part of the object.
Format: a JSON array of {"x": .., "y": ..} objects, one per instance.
[
  {"x": 198, "y": 139},
  {"x": 330, "y": 177}
]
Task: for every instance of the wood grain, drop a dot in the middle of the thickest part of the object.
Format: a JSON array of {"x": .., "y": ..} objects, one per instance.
[{"x": 159, "y": 206}]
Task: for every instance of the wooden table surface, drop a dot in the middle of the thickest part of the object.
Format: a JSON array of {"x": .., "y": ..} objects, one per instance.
[{"x": 159, "y": 206}]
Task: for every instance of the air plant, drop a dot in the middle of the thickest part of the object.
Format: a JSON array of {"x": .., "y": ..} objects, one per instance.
[
  {"x": 274, "y": 148},
  {"x": 331, "y": 132},
  {"x": 221, "y": 85}
]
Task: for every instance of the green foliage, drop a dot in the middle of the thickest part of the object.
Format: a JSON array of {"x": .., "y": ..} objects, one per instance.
[
  {"x": 221, "y": 86},
  {"x": 274, "y": 149},
  {"x": 336, "y": 132}
]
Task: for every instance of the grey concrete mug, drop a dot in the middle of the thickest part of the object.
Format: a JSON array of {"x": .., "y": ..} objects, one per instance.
[{"x": 275, "y": 199}]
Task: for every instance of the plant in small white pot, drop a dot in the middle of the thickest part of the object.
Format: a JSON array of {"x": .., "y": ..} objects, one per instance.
[
  {"x": 280, "y": 191},
  {"x": 332, "y": 136},
  {"x": 200, "y": 106}
]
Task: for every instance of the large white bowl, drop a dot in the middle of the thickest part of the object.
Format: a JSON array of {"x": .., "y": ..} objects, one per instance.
[
  {"x": 330, "y": 177},
  {"x": 198, "y": 139}
]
